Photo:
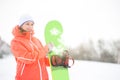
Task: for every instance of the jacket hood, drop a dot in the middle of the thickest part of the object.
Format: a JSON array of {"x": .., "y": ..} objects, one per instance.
[{"x": 17, "y": 33}]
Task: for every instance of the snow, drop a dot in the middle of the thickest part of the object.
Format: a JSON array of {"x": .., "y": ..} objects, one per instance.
[
  {"x": 81, "y": 70},
  {"x": 87, "y": 70},
  {"x": 7, "y": 68}
]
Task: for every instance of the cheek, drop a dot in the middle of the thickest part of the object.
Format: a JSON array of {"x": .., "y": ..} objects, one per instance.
[{"x": 23, "y": 27}]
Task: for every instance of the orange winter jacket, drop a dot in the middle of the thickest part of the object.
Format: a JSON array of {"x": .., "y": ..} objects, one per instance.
[{"x": 30, "y": 56}]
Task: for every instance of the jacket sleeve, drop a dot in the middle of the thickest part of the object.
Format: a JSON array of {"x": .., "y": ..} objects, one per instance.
[
  {"x": 22, "y": 54},
  {"x": 46, "y": 48},
  {"x": 47, "y": 62}
]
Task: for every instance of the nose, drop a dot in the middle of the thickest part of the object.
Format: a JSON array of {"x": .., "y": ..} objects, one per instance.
[{"x": 31, "y": 26}]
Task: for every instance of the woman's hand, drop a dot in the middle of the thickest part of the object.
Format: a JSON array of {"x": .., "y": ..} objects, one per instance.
[{"x": 50, "y": 47}]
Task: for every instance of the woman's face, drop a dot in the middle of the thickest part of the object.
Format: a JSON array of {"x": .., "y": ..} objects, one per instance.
[{"x": 28, "y": 26}]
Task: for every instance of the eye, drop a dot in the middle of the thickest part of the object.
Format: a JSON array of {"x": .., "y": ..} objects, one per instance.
[
  {"x": 32, "y": 24},
  {"x": 27, "y": 23}
]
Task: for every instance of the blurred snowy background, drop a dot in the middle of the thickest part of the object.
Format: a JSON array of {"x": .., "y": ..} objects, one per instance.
[{"x": 91, "y": 32}]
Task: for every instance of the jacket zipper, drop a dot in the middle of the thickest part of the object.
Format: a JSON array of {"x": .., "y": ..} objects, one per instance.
[
  {"x": 22, "y": 69},
  {"x": 33, "y": 44},
  {"x": 38, "y": 60},
  {"x": 40, "y": 70}
]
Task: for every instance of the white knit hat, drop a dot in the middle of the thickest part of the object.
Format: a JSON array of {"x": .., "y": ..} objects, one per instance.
[{"x": 24, "y": 19}]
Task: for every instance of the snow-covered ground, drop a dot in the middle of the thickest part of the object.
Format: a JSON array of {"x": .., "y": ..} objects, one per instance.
[
  {"x": 7, "y": 68},
  {"x": 82, "y": 70},
  {"x": 86, "y": 70}
]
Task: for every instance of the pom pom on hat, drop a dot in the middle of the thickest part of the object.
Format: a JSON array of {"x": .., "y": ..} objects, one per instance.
[{"x": 24, "y": 19}]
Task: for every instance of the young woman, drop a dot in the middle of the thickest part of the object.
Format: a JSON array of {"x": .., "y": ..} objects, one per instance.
[{"x": 28, "y": 51}]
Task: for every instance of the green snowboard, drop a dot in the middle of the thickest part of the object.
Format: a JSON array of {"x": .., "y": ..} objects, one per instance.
[{"x": 53, "y": 32}]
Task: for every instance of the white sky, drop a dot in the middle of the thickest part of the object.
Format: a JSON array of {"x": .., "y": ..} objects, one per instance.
[{"x": 81, "y": 19}]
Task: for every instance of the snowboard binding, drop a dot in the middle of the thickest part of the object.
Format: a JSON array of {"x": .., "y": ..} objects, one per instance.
[{"x": 57, "y": 60}]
